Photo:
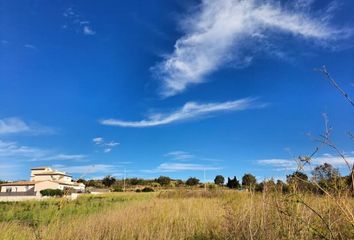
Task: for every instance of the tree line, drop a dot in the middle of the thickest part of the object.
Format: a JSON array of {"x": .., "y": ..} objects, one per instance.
[{"x": 323, "y": 178}]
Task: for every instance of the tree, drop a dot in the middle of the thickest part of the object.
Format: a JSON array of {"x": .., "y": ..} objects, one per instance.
[
  {"x": 249, "y": 181},
  {"x": 163, "y": 180},
  {"x": 108, "y": 181},
  {"x": 324, "y": 172},
  {"x": 192, "y": 181},
  {"x": 136, "y": 181},
  {"x": 269, "y": 185},
  {"x": 281, "y": 186},
  {"x": 179, "y": 183},
  {"x": 298, "y": 181},
  {"x": 219, "y": 180},
  {"x": 328, "y": 178},
  {"x": 80, "y": 180},
  {"x": 233, "y": 183}
]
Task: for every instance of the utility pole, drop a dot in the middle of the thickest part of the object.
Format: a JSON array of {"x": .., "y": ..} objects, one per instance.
[
  {"x": 125, "y": 173},
  {"x": 204, "y": 181}
]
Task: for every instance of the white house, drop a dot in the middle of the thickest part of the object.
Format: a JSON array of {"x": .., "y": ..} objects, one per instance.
[{"x": 41, "y": 178}]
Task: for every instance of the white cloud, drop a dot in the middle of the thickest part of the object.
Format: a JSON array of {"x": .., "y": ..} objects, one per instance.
[
  {"x": 15, "y": 125},
  {"x": 289, "y": 164},
  {"x": 175, "y": 167},
  {"x": 30, "y": 46},
  {"x": 232, "y": 31},
  {"x": 12, "y": 151},
  {"x": 189, "y": 111},
  {"x": 77, "y": 22},
  {"x": 112, "y": 144},
  {"x": 279, "y": 164},
  {"x": 179, "y": 155},
  {"x": 108, "y": 146},
  {"x": 63, "y": 157},
  {"x": 10, "y": 171},
  {"x": 87, "y": 169},
  {"x": 107, "y": 150},
  {"x": 97, "y": 140},
  {"x": 87, "y": 30}
]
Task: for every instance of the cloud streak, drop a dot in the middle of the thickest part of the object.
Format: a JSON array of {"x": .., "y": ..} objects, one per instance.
[
  {"x": 289, "y": 164},
  {"x": 177, "y": 167},
  {"x": 13, "y": 125},
  {"x": 179, "y": 155},
  {"x": 228, "y": 31},
  {"x": 77, "y": 22},
  {"x": 191, "y": 110},
  {"x": 12, "y": 151},
  {"x": 16, "y": 125},
  {"x": 107, "y": 146}
]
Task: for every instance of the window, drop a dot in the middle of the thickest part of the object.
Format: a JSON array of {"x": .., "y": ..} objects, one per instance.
[{"x": 9, "y": 189}]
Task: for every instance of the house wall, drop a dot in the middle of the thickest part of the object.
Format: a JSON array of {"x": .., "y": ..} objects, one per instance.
[
  {"x": 80, "y": 187},
  {"x": 34, "y": 171},
  {"x": 46, "y": 185},
  {"x": 61, "y": 178},
  {"x": 16, "y": 188}
]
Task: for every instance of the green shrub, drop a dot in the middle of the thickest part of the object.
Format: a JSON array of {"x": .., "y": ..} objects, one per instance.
[
  {"x": 138, "y": 190},
  {"x": 148, "y": 189},
  {"x": 117, "y": 189},
  {"x": 52, "y": 192}
]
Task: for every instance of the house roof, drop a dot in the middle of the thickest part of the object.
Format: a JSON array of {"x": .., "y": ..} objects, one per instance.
[
  {"x": 52, "y": 173},
  {"x": 39, "y": 168},
  {"x": 19, "y": 183}
]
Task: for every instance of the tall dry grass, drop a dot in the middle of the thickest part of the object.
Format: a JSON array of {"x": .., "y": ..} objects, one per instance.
[{"x": 196, "y": 215}]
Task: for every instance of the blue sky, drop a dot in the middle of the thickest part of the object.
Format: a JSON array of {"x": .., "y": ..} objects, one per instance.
[{"x": 172, "y": 87}]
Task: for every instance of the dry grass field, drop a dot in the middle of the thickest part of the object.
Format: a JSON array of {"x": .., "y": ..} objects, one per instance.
[{"x": 180, "y": 215}]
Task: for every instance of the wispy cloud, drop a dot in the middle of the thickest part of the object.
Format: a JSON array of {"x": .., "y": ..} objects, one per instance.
[
  {"x": 290, "y": 164},
  {"x": 30, "y": 46},
  {"x": 106, "y": 145},
  {"x": 87, "y": 30},
  {"x": 77, "y": 22},
  {"x": 97, "y": 140},
  {"x": 12, "y": 151},
  {"x": 10, "y": 171},
  {"x": 189, "y": 111},
  {"x": 64, "y": 157},
  {"x": 176, "y": 167},
  {"x": 233, "y": 31},
  {"x": 179, "y": 155},
  {"x": 15, "y": 125},
  {"x": 87, "y": 169}
]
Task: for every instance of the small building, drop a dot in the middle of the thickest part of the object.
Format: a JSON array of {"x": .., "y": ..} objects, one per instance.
[{"x": 41, "y": 178}]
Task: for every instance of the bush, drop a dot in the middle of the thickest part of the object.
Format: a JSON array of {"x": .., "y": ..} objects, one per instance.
[
  {"x": 148, "y": 189},
  {"x": 117, "y": 189},
  {"x": 233, "y": 183},
  {"x": 52, "y": 192},
  {"x": 219, "y": 180},
  {"x": 192, "y": 181},
  {"x": 138, "y": 190},
  {"x": 108, "y": 181},
  {"x": 164, "y": 181}
]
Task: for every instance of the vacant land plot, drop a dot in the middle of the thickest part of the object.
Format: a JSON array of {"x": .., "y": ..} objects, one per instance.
[{"x": 180, "y": 215}]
